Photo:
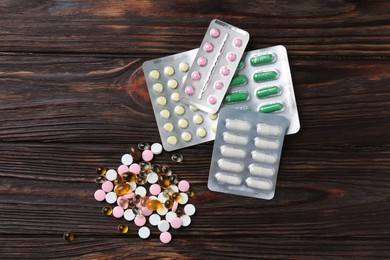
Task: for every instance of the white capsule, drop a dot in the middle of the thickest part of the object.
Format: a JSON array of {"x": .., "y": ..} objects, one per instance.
[
  {"x": 263, "y": 157},
  {"x": 266, "y": 144},
  {"x": 237, "y": 125},
  {"x": 258, "y": 184},
  {"x": 232, "y": 152},
  {"x": 230, "y": 166},
  {"x": 268, "y": 130},
  {"x": 234, "y": 139},
  {"x": 227, "y": 178},
  {"x": 258, "y": 170}
]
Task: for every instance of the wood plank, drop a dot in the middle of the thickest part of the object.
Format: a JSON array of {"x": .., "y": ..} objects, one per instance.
[{"x": 308, "y": 28}]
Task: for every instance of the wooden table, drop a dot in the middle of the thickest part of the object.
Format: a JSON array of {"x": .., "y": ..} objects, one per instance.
[{"x": 73, "y": 96}]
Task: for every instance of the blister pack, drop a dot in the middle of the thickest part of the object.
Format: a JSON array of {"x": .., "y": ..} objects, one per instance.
[
  {"x": 263, "y": 83},
  {"x": 179, "y": 125},
  {"x": 247, "y": 152},
  {"x": 214, "y": 66}
]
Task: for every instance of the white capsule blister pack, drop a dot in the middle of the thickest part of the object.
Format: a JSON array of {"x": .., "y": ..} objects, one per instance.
[
  {"x": 263, "y": 83},
  {"x": 247, "y": 152},
  {"x": 179, "y": 125},
  {"x": 214, "y": 66}
]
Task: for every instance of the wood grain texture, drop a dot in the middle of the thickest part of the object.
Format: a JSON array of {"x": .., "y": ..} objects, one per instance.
[{"x": 73, "y": 96}]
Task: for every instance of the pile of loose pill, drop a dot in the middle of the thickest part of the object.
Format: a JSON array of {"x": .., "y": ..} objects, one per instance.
[{"x": 143, "y": 192}]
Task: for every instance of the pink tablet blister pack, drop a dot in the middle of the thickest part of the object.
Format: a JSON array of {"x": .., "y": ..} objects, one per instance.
[
  {"x": 262, "y": 83},
  {"x": 214, "y": 66},
  {"x": 179, "y": 125},
  {"x": 247, "y": 152}
]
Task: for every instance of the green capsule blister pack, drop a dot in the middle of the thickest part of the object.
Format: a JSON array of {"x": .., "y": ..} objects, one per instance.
[{"x": 263, "y": 83}]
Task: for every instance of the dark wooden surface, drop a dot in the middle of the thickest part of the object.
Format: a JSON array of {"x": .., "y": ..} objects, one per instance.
[{"x": 73, "y": 96}]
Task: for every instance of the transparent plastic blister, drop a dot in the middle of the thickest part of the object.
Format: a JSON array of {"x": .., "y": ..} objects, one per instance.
[
  {"x": 263, "y": 83},
  {"x": 179, "y": 125},
  {"x": 214, "y": 65},
  {"x": 247, "y": 152}
]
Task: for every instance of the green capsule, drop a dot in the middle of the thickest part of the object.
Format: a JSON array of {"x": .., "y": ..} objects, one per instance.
[
  {"x": 262, "y": 59},
  {"x": 269, "y": 108},
  {"x": 241, "y": 64},
  {"x": 236, "y": 97},
  {"x": 268, "y": 91},
  {"x": 265, "y": 76},
  {"x": 238, "y": 80}
]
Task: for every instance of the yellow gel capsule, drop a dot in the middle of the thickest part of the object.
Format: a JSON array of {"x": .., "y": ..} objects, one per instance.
[
  {"x": 122, "y": 189},
  {"x": 123, "y": 228},
  {"x": 153, "y": 204}
]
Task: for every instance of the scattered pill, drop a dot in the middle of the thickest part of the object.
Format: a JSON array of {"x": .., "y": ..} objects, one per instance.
[
  {"x": 152, "y": 177},
  {"x": 178, "y": 158},
  {"x": 123, "y": 228},
  {"x": 117, "y": 212},
  {"x": 135, "y": 152},
  {"x": 184, "y": 185},
  {"x": 170, "y": 215},
  {"x": 189, "y": 209},
  {"x": 69, "y": 236},
  {"x": 165, "y": 237},
  {"x": 107, "y": 211},
  {"x": 111, "y": 197},
  {"x": 100, "y": 195},
  {"x": 156, "y": 148},
  {"x": 186, "y": 220},
  {"x": 176, "y": 222},
  {"x": 140, "y": 191},
  {"x": 129, "y": 215},
  {"x": 163, "y": 225},
  {"x": 140, "y": 220},
  {"x": 154, "y": 219},
  {"x": 144, "y": 232},
  {"x": 135, "y": 168},
  {"x": 111, "y": 175},
  {"x": 101, "y": 170},
  {"x": 147, "y": 155},
  {"x": 100, "y": 179}
]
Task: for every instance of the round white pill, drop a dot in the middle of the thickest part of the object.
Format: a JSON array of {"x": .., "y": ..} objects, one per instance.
[
  {"x": 156, "y": 148},
  {"x": 154, "y": 219},
  {"x": 111, "y": 197},
  {"x": 133, "y": 185},
  {"x": 152, "y": 177},
  {"x": 140, "y": 191},
  {"x": 161, "y": 197},
  {"x": 186, "y": 220},
  {"x": 184, "y": 198},
  {"x": 144, "y": 232},
  {"x": 111, "y": 175},
  {"x": 129, "y": 215},
  {"x": 189, "y": 209},
  {"x": 127, "y": 159},
  {"x": 162, "y": 211},
  {"x": 163, "y": 225},
  {"x": 174, "y": 188},
  {"x": 170, "y": 215}
]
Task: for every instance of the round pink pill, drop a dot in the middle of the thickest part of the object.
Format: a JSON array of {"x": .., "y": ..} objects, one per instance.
[
  {"x": 140, "y": 220},
  {"x": 100, "y": 195},
  {"x": 218, "y": 85},
  {"x": 165, "y": 237},
  {"x": 118, "y": 212},
  {"x": 155, "y": 189},
  {"x": 184, "y": 185},
  {"x": 212, "y": 100},
  {"x": 122, "y": 169},
  {"x": 195, "y": 75},
  {"x": 237, "y": 42},
  {"x": 147, "y": 155},
  {"x": 214, "y": 33},
  {"x": 176, "y": 222},
  {"x": 225, "y": 71},
  {"x": 202, "y": 61},
  {"x": 107, "y": 186},
  {"x": 208, "y": 47},
  {"x": 146, "y": 212},
  {"x": 231, "y": 56},
  {"x": 129, "y": 196},
  {"x": 135, "y": 168},
  {"x": 189, "y": 90}
]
